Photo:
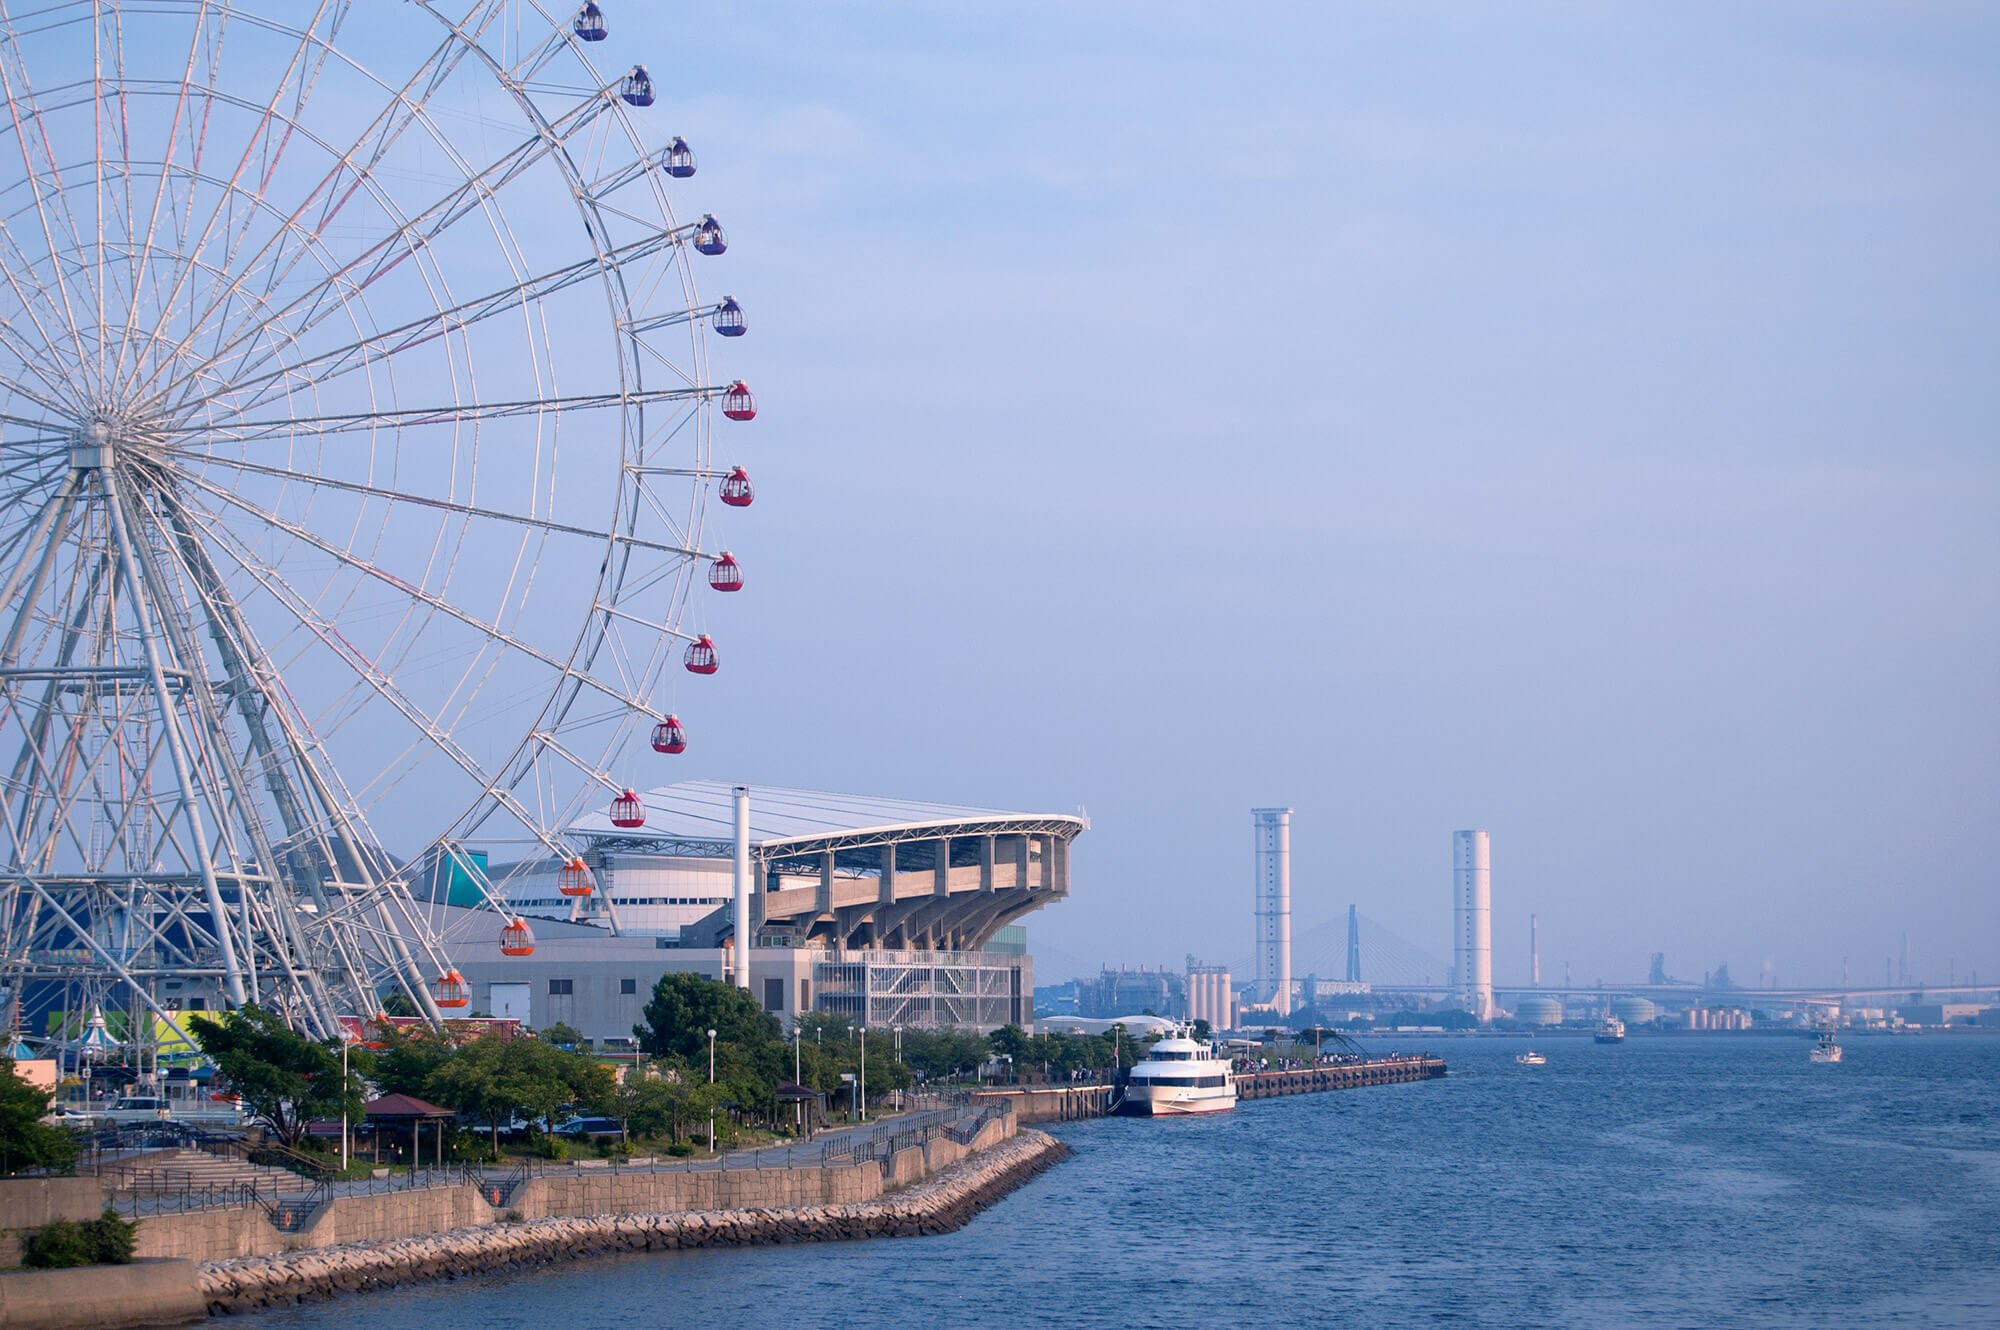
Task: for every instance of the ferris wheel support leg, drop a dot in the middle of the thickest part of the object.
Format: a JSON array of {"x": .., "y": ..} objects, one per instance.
[
  {"x": 35, "y": 734},
  {"x": 111, "y": 962},
  {"x": 53, "y": 538},
  {"x": 234, "y": 641},
  {"x": 176, "y": 741},
  {"x": 58, "y": 503}
]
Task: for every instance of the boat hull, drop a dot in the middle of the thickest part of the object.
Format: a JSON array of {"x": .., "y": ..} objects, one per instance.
[{"x": 1175, "y": 1107}]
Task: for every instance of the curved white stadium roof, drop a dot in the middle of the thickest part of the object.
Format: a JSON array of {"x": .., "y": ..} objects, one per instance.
[{"x": 703, "y": 811}]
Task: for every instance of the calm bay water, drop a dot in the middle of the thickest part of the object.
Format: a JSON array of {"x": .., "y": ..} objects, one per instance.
[{"x": 1699, "y": 1181}]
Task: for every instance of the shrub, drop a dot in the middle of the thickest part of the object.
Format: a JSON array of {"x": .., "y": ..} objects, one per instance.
[
  {"x": 512, "y": 1217},
  {"x": 56, "y": 1246},
  {"x": 681, "y": 1149},
  {"x": 105, "y": 1240},
  {"x": 111, "y": 1238}
]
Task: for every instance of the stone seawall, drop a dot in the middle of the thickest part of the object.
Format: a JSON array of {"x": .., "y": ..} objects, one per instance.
[{"x": 939, "y": 1205}]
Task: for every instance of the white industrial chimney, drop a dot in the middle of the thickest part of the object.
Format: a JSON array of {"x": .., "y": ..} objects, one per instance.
[
  {"x": 739, "y": 914},
  {"x": 1472, "y": 922},
  {"x": 1274, "y": 906}
]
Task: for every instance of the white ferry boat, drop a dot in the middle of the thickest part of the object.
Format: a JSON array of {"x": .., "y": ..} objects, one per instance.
[
  {"x": 1531, "y": 1059},
  {"x": 1610, "y": 1030},
  {"x": 1180, "y": 1075},
  {"x": 1827, "y": 1050}
]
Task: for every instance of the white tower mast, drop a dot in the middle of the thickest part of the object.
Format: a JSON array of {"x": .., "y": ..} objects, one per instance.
[
  {"x": 1274, "y": 906},
  {"x": 739, "y": 915},
  {"x": 1472, "y": 910}
]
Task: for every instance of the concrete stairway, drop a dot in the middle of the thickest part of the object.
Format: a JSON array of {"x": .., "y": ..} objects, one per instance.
[{"x": 192, "y": 1170}]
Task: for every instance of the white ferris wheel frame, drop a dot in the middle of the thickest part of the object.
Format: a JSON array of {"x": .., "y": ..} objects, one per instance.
[{"x": 173, "y": 470}]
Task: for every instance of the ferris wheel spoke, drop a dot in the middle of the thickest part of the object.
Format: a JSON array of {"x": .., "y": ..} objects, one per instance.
[
  {"x": 348, "y": 175},
  {"x": 491, "y": 632},
  {"x": 304, "y": 313},
  {"x": 400, "y": 496},
  {"x": 334, "y": 641},
  {"x": 50, "y": 394},
  {"x": 44, "y": 364},
  {"x": 269, "y": 117},
  {"x": 23, "y": 107},
  {"x": 62, "y": 304},
  {"x": 458, "y": 413},
  {"x": 329, "y": 365},
  {"x": 143, "y": 251}
]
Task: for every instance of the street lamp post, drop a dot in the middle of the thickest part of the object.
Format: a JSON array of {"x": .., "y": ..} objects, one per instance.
[
  {"x": 864, "y": 1073},
  {"x": 798, "y": 1080},
  {"x": 343, "y": 1099},
  {"x": 711, "y": 1097}
]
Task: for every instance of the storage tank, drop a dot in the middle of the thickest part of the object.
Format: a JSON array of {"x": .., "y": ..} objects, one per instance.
[
  {"x": 1539, "y": 1011},
  {"x": 1634, "y": 1010}
]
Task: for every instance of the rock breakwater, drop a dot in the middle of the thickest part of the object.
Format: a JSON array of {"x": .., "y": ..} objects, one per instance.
[{"x": 937, "y": 1205}]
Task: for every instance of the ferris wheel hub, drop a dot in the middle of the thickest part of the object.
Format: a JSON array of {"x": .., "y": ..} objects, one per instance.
[{"x": 91, "y": 446}]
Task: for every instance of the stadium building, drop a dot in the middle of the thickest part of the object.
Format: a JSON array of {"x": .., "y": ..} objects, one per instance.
[{"x": 889, "y": 912}]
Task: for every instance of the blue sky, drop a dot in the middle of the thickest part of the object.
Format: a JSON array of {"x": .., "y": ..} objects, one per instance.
[{"x": 1576, "y": 421}]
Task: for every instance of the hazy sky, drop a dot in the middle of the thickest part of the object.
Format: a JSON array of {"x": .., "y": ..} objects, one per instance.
[{"x": 1576, "y": 421}]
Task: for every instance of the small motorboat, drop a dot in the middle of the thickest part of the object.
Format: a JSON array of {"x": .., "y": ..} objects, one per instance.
[
  {"x": 1531, "y": 1059},
  {"x": 1827, "y": 1050}
]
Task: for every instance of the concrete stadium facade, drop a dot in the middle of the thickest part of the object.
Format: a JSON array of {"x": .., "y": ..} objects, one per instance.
[{"x": 885, "y": 911}]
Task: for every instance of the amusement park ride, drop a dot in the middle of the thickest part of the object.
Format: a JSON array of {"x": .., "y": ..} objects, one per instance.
[{"x": 356, "y": 446}]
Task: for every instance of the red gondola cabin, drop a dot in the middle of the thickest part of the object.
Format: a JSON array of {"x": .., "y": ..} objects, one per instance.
[
  {"x": 737, "y": 403},
  {"x": 669, "y": 737},
  {"x": 700, "y": 657},
  {"x": 725, "y": 574},
  {"x": 450, "y": 991},
  {"x": 737, "y": 490},
  {"x": 627, "y": 811}
]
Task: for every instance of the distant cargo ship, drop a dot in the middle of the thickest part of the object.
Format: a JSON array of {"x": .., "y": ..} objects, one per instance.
[{"x": 1611, "y": 1030}]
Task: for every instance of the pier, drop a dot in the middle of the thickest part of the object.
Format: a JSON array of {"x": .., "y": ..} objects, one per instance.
[
  {"x": 1072, "y": 1103},
  {"x": 1343, "y": 1076}
]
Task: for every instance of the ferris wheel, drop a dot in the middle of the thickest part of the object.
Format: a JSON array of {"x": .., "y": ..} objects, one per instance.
[{"x": 357, "y": 445}]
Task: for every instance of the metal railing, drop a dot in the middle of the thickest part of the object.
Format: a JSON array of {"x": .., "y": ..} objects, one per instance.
[{"x": 291, "y": 1205}]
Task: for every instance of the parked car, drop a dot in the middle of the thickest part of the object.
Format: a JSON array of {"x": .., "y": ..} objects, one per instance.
[{"x": 591, "y": 1127}]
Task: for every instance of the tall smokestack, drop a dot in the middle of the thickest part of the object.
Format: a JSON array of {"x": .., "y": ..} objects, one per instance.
[
  {"x": 1534, "y": 951},
  {"x": 1274, "y": 906},
  {"x": 1472, "y": 922},
  {"x": 739, "y": 913},
  {"x": 1353, "y": 945}
]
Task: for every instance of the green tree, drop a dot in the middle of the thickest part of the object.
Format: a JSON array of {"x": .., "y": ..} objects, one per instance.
[
  {"x": 408, "y": 1056},
  {"x": 286, "y": 1080},
  {"x": 25, "y": 1140},
  {"x": 563, "y": 1036},
  {"x": 1011, "y": 1041},
  {"x": 475, "y": 1079},
  {"x": 398, "y": 1004},
  {"x": 685, "y": 1007},
  {"x": 751, "y": 1055}
]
